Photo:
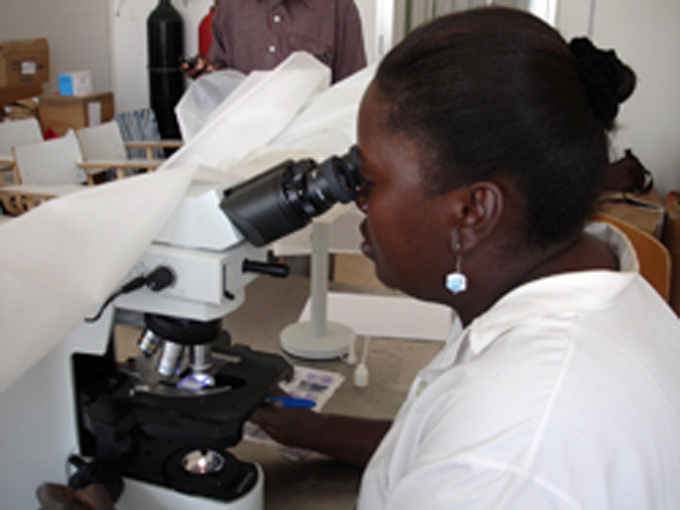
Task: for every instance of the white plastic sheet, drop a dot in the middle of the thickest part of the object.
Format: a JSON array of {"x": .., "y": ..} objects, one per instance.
[
  {"x": 202, "y": 99},
  {"x": 255, "y": 113},
  {"x": 59, "y": 262}
]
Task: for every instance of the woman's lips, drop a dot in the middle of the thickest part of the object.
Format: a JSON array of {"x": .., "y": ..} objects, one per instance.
[{"x": 366, "y": 247}]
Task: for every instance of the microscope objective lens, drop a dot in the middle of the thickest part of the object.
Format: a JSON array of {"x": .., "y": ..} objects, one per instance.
[{"x": 170, "y": 359}]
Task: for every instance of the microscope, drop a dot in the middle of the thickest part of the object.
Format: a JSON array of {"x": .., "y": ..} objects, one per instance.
[{"x": 166, "y": 417}]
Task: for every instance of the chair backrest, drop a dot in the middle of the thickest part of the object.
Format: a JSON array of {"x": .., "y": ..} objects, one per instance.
[
  {"x": 50, "y": 162},
  {"x": 100, "y": 142},
  {"x": 18, "y": 132},
  {"x": 654, "y": 257}
]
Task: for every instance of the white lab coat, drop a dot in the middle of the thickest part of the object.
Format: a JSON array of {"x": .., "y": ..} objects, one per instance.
[{"x": 564, "y": 395}]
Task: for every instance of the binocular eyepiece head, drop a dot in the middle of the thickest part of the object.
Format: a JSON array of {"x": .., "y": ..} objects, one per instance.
[{"x": 288, "y": 196}]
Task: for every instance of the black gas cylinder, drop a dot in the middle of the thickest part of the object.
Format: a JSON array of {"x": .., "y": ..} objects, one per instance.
[{"x": 165, "y": 38}]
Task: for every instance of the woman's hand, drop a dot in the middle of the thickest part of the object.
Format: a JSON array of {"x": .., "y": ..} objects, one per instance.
[
  {"x": 351, "y": 440},
  {"x": 196, "y": 66},
  {"x": 288, "y": 426},
  {"x": 54, "y": 496}
]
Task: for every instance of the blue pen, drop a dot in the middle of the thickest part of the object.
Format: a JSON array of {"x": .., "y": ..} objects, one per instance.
[{"x": 291, "y": 402}]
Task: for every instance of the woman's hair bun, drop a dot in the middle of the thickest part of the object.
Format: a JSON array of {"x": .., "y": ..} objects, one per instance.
[{"x": 608, "y": 81}]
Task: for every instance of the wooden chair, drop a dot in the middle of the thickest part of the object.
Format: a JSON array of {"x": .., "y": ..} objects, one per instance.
[
  {"x": 13, "y": 133},
  {"x": 150, "y": 146},
  {"x": 654, "y": 258},
  {"x": 103, "y": 148},
  {"x": 42, "y": 171}
]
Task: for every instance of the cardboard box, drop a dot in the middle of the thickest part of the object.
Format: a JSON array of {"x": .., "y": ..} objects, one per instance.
[
  {"x": 75, "y": 83},
  {"x": 671, "y": 238},
  {"x": 62, "y": 113},
  {"x": 24, "y": 62},
  {"x": 9, "y": 95}
]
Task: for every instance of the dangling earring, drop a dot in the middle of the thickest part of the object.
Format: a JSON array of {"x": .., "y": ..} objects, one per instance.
[{"x": 456, "y": 281}]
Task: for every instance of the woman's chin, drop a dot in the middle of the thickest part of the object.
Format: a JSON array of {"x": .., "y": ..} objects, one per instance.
[{"x": 367, "y": 250}]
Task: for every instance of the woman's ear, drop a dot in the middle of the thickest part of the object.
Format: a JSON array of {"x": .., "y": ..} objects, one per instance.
[{"x": 479, "y": 209}]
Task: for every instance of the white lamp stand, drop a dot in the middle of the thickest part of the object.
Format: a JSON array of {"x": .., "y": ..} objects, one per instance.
[{"x": 318, "y": 339}]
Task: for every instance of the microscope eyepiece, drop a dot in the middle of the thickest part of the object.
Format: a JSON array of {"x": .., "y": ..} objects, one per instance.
[{"x": 286, "y": 197}]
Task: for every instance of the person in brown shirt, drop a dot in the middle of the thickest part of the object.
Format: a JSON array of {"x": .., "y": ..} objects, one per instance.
[{"x": 260, "y": 34}]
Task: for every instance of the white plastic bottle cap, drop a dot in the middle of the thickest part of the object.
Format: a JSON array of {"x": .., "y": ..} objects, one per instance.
[{"x": 361, "y": 375}]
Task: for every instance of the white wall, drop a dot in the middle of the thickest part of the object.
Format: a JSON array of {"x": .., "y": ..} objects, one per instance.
[
  {"x": 77, "y": 31},
  {"x": 645, "y": 35}
]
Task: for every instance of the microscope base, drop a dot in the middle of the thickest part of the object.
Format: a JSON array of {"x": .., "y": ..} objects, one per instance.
[
  {"x": 300, "y": 340},
  {"x": 143, "y": 495}
]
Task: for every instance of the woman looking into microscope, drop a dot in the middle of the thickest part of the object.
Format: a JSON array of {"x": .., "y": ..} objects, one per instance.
[{"x": 483, "y": 141}]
